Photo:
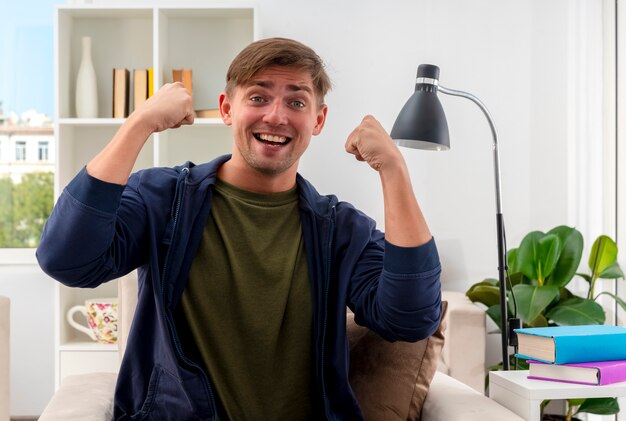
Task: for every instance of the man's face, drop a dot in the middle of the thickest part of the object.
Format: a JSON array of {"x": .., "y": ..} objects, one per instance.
[{"x": 273, "y": 119}]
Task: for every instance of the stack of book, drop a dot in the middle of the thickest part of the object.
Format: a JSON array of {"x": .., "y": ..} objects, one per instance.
[
  {"x": 143, "y": 80},
  {"x": 590, "y": 354},
  {"x": 142, "y": 90}
]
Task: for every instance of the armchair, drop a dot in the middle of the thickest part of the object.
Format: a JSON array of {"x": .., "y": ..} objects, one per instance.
[{"x": 455, "y": 393}]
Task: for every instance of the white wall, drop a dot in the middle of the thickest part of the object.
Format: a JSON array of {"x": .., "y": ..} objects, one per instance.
[{"x": 515, "y": 55}]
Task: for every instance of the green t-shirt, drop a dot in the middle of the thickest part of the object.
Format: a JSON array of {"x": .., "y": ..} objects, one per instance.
[{"x": 248, "y": 305}]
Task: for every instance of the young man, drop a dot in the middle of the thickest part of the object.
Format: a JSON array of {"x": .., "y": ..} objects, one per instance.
[{"x": 245, "y": 271}]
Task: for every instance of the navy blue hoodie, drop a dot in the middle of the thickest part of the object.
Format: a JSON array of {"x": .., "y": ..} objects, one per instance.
[{"x": 100, "y": 231}]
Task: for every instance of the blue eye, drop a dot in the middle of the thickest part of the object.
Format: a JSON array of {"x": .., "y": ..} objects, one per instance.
[
  {"x": 298, "y": 104},
  {"x": 256, "y": 99}
]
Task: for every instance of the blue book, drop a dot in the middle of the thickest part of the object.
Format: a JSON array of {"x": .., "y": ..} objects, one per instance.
[{"x": 572, "y": 344}]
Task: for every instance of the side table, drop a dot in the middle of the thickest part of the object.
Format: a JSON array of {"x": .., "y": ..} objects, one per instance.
[{"x": 513, "y": 390}]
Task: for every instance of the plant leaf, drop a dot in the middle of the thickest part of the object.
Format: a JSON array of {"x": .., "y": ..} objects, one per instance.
[
  {"x": 532, "y": 300},
  {"x": 600, "y": 406},
  {"x": 540, "y": 321},
  {"x": 549, "y": 253},
  {"x": 613, "y": 271},
  {"x": 486, "y": 281},
  {"x": 565, "y": 294},
  {"x": 585, "y": 277},
  {"x": 518, "y": 278},
  {"x": 619, "y": 301},
  {"x": 577, "y": 311},
  {"x": 512, "y": 262},
  {"x": 571, "y": 252},
  {"x": 522, "y": 364},
  {"x": 485, "y": 294},
  {"x": 494, "y": 313},
  {"x": 603, "y": 254},
  {"x": 527, "y": 254},
  {"x": 575, "y": 402}
]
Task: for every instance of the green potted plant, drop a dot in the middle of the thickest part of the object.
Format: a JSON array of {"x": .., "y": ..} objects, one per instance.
[{"x": 541, "y": 269}]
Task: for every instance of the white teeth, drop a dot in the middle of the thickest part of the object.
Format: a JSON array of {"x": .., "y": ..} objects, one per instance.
[{"x": 272, "y": 138}]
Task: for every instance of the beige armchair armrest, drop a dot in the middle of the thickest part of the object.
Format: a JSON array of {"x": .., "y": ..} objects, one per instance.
[
  {"x": 463, "y": 355},
  {"x": 84, "y": 397},
  {"x": 451, "y": 400}
]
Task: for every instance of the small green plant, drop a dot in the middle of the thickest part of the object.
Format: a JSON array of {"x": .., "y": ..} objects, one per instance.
[
  {"x": 541, "y": 269},
  {"x": 599, "y": 406}
]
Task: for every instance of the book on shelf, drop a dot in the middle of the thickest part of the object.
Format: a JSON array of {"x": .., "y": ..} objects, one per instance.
[
  {"x": 140, "y": 87},
  {"x": 572, "y": 344},
  {"x": 593, "y": 373},
  {"x": 184, "y": 76},
  {"x": 150, "y": 82},
  {"x": 121, "y": 92}
]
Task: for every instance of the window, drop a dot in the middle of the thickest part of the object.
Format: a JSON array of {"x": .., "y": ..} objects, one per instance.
[
  {"x": 26, "y": 129},
  {"x": 43, "y": 151},
  {"x": 20, "y": 150}
]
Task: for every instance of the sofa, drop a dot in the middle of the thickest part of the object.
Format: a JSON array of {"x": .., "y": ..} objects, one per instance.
[
  {"x": 455, "y": 393},
  {"x": 5, "y": 374}
]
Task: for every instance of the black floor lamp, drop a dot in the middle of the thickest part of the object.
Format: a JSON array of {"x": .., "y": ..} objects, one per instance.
[{"x": 422, "y": 125}]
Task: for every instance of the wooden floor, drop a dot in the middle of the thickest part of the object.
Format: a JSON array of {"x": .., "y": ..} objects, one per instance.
[{"x": 24, "y": 418}]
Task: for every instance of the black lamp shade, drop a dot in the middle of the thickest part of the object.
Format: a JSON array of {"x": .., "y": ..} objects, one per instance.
[{"x": 422, "y": 123}]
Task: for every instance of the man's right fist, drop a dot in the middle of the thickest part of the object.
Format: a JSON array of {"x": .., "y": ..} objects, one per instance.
[{"x": 169, "y": 108}]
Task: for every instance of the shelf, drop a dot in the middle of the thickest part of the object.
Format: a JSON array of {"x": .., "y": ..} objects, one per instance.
[
  {"x": 105, "y": 12},
  {"x": 202, "y": 36},
  {"x": 192, "y": 11},
  {"x": 88, "y": 346}
]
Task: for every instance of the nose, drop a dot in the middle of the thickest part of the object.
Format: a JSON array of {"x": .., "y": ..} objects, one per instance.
[{"x": 276, "y": 114}]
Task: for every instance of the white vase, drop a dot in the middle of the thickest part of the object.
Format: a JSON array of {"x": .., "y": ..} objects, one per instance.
[{"x": 86, "y": 88}]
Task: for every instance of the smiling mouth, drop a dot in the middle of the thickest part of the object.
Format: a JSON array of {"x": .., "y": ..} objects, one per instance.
[{"x": 270, "y": 139}]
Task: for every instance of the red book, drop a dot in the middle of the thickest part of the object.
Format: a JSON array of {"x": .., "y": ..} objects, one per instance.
[{"x": 593, "y": 373}]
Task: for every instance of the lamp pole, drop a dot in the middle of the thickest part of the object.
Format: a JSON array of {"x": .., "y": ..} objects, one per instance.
[{"x": 499, "y": 222}]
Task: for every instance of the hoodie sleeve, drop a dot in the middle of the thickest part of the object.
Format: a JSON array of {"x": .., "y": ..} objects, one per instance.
[
  {"x": 95, "y": 233},
  {"x": 395, "y": 291},
  {"x": 409, "y": 290}
]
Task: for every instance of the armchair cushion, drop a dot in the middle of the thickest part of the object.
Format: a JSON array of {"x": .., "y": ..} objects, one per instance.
[
  {"x": 84, "y": 397},
  {"x": 391, "y": 380}
]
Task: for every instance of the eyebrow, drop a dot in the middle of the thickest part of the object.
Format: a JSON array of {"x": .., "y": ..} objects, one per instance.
[{"x": 292, "y": 87}]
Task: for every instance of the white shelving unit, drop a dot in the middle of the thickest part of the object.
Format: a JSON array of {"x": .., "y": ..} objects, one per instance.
[{"x": 203, "y": 37}]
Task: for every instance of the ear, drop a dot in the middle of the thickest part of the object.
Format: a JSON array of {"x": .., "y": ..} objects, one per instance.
[
  {"x": 225, "y": 109},
  {"x": 321, "y": 119}
]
